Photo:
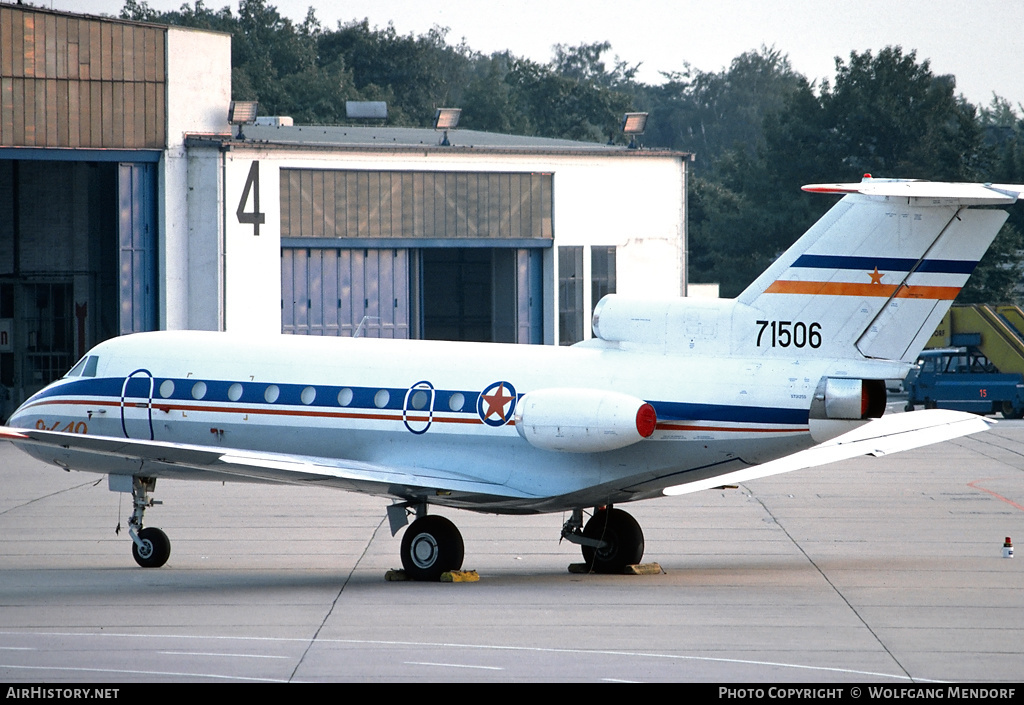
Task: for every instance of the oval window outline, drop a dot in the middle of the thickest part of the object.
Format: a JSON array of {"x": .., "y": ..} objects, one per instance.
[{"x": 418, "y": 407}]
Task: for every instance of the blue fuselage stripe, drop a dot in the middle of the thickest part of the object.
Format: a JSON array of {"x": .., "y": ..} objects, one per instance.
[
  {"x": 366, "y": 398},
  {"x": 679, "y": 411}
]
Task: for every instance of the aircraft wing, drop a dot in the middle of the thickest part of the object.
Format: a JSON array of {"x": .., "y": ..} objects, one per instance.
[
  {"x": 883, "y": 436},
  {"x": 161, "y": 459}
]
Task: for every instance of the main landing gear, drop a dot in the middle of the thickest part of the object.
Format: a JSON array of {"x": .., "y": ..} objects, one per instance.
[
  {"x": 150, "y": 546},
  {"x": 611, "y": 540},
  {"x": 432, "y": 545}
]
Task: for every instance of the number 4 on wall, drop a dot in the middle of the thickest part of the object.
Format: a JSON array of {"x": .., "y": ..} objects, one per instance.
[{"x": 252, "y": 185}]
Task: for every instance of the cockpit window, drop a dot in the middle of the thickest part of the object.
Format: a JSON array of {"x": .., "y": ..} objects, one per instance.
[{"x": 86, "y": 367}]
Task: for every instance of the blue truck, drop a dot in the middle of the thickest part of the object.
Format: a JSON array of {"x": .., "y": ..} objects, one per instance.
[{"x": 963, "y": 379}]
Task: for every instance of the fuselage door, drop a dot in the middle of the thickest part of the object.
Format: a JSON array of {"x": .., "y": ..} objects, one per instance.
[
  {"x": 137, "y": 405},
  {"x": 418, "y": 409}
]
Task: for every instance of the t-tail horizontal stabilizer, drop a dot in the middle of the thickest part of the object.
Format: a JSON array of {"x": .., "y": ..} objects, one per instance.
[{"x": 884, "y": 436}]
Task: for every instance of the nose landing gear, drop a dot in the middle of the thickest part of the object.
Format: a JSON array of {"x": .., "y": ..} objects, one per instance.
[{"x": 150, "y": 546}]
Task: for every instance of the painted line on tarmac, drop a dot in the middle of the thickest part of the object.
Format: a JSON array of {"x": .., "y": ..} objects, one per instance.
[
  {"x": 448, "y": 645},
  {"x": 998, "y": 496},
  {"x": 454, "y": 665}
]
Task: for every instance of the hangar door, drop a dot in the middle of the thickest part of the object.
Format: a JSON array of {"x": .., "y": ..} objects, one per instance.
[
  {"x": 340, "y": 291},
  {"x": 77, "y": 262},
  {"x": 478, "y": 294},
  {"x": 439, "y": 255}
]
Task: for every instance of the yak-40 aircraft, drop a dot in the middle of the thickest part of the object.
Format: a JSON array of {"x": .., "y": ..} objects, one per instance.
[{"x": 668, "y": 397}]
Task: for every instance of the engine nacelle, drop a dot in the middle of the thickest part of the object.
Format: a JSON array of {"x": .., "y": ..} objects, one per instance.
[
  {"x": 583, "y": 420},
  {"x": 842, "y": 404},
  {"x": 617, "y": 318}
]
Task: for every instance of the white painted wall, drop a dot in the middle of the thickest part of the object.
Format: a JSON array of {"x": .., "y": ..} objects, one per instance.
[
  {"x": 204, "y": 268},
  {"x": 252, "y": 262},
  {"x": 198, "y": 94}
]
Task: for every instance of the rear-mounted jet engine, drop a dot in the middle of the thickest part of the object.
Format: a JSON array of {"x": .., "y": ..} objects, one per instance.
[{"x": 583, "y": 420}]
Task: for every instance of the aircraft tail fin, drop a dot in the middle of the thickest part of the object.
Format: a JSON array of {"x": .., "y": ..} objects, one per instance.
[{"x": 876, "y": 274}]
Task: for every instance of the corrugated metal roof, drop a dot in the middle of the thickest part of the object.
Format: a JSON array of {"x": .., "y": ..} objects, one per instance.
[{"x": 405, "y": 138}]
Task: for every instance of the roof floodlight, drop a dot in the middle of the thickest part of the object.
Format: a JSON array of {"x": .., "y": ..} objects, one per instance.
[
  {"x": 242, "y": 112},
  {"x": 634, "y": 124},
  {"x": 446, "y": 119}
]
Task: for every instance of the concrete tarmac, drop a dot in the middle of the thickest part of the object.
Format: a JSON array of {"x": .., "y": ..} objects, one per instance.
[{"x": 883, "y": 570}]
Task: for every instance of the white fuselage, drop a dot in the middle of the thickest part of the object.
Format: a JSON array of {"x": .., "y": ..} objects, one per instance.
[{"x": 422, "y": 405}]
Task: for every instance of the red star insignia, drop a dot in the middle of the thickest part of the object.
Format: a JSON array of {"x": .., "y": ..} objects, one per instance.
[{"x": 497, "y": 402}]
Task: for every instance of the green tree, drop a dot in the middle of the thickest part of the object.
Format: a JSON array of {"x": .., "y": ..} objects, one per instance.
[
  {"x": 488, "y": 102},
  {"x": 709, "y": 113},
  {"x": 415, "y": 74},
  {"x": 573, "y": 96},
  {"x": 891, "y": 116}
]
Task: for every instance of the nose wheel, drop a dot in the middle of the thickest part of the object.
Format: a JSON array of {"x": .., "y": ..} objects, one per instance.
[{"x": 432, "y": 545}]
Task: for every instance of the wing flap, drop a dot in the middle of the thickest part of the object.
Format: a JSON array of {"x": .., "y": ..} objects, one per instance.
[{"x": 884, "y": 436}]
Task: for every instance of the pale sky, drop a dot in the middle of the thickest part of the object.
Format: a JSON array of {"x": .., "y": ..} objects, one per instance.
[{"x": 980, "y": 42}]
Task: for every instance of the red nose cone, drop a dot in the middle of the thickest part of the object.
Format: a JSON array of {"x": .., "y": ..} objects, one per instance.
[{"x": 646, "y": 420}]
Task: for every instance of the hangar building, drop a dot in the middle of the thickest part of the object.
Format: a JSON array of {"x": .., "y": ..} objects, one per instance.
[{"x": 128, "y": 203}]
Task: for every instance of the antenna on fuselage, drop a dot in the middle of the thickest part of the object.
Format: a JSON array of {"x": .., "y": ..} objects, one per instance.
[{"x": 359, "y": 328}]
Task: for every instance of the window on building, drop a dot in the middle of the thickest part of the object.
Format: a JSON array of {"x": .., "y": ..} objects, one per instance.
[
  {"x": 602, "y": 274},
  {"x": 570, "y": 295}
]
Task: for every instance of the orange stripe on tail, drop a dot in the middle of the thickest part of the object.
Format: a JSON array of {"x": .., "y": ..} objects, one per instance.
[{"x": 941, "y": 293}]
